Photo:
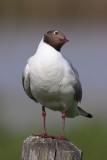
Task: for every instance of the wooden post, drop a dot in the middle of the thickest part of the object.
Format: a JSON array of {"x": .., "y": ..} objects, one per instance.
[{"x": 38, "y": 148}]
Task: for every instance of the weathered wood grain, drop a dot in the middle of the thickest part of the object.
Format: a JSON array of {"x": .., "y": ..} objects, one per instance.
[{"x": 37, "y": 148}]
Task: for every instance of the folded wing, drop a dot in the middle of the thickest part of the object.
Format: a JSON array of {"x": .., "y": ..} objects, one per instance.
[
  {"x": 77, "y": 86},
  {"x": 26, "y": 82}
]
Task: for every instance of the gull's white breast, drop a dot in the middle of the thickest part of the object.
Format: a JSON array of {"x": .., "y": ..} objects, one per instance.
[{"x": 51, "y": 78}]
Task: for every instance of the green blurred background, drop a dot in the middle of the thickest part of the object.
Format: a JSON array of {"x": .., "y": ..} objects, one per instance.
[{"x": 22, "y": 25}]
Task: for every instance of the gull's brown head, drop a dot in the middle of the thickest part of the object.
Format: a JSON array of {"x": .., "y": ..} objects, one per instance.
[{"x": 55, "y": 39}]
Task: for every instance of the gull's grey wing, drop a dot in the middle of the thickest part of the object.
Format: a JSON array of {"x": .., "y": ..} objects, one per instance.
[
  {"x": 77, "y": 85},
  {"x": 26, "y": 82},
  {"x": 78, "y": 90}
]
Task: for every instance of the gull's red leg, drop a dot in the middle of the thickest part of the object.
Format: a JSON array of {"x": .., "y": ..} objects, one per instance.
[
  {"x": 63, "y": 121},
  {"x": 44, "y": 116},
  {"x": 63, "y": 125},
  {"x": 44, "y": 134}
]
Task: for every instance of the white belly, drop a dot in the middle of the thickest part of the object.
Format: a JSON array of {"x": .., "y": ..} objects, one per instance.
[
  {"x": 51, "y": 81},
  {"x": 51, "y": 90}
]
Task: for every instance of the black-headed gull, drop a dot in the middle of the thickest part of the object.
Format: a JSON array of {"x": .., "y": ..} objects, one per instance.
[{"x": 50, "y": 79}]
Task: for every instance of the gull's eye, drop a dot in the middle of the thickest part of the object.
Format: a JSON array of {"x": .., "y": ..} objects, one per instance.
[{"x": 56, "y": 32}]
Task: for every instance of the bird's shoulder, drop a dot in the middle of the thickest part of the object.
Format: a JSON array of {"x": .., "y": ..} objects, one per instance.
[{"x": 74, "y": 76}]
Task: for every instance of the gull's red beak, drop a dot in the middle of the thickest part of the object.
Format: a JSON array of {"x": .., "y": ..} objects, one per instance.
[{"x": 64, "y": 40}]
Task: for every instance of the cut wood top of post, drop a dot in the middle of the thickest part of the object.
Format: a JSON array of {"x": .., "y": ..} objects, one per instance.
[{"x": 38, "y": 148}]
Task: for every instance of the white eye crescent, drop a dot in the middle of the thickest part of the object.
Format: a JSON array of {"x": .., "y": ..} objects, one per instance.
[{"x": 56, "y": 32}]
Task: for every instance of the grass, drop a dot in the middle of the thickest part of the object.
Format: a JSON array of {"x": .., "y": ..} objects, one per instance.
[{"x": 91, "y": 139}]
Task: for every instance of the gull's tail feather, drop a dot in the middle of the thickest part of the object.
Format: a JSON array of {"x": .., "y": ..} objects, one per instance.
[{"x": 84, "y": 113}]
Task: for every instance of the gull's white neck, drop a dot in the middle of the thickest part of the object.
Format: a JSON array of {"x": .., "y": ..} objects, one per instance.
[{"x": 45, "y": 48}]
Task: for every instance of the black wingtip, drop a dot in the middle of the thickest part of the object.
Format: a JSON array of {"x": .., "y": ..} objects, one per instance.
[{"x": 89, "y": 115}]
